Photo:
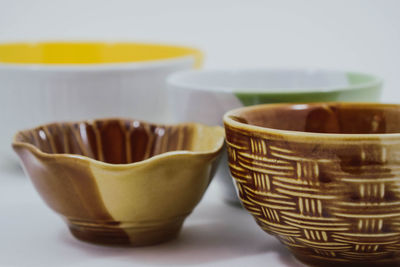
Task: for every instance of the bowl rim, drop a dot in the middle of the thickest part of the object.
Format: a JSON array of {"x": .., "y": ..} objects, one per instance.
[
  {"x": 34, "y": 149},
  {"x": 195, "y": 55},
  {"x": 309, "y": 136},
  {"x": 175, "y": 80}
]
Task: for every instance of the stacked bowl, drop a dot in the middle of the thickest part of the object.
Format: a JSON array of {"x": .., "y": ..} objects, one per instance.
[
  {"x": 123, "y": 148},
  {"x": 205, "y": 96}
]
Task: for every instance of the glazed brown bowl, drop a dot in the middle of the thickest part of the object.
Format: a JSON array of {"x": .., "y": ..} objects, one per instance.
[
  {"x": 323, "y": 178},
  {"x": 118, "y": 181}
]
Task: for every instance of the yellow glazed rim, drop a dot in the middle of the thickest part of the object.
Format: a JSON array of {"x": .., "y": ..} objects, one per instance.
[
  {"x": 217, "y": 146},
  {"x": 93, "y": 53}
]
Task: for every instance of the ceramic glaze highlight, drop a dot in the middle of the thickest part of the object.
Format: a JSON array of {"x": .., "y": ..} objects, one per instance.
[
  {"x": 322, "y": 178},
  {"x": 121, "y": 181}
]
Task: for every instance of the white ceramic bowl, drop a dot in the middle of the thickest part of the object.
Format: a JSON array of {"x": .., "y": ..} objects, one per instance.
[
  {"x": 47, "y": 82},
  {"x": 204, "y": 96}
]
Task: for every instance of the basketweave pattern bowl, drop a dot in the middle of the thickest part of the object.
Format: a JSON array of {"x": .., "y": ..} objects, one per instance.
[
  {"x": 117, "y": 181},
  {"x": 332, "y": 199}
]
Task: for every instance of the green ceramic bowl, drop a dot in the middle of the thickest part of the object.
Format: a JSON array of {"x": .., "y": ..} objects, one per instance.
[{"x": 204, "y": 96}]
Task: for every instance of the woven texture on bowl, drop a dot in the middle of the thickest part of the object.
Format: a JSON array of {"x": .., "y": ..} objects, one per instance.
[{"x": 331, "y": 201}]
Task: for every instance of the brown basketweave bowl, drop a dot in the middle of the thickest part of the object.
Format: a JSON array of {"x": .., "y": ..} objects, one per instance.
[
  {"x": 323, "y": 178},
  {"x": 118, "y": 181}
]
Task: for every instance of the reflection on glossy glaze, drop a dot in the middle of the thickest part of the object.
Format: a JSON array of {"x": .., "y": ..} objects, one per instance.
[
  {"x": 332, "y": 199},
  {"x": 136, "y": 198},
  {"x": 111, "y": 141},
  {"x": 325, "y": 118},
  {"x": 69, "y": 188}
]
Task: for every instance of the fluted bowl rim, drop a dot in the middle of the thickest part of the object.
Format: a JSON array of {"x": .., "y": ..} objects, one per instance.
[{"x": 34, "y": 149}]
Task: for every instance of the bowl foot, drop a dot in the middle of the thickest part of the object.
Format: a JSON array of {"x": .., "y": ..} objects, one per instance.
[{"x": 122, "y": 234}]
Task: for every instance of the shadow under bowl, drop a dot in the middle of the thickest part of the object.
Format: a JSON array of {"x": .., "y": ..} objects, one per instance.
[
  {"x": 323, "y": 178},
  {"x": 117, "y": 181}
]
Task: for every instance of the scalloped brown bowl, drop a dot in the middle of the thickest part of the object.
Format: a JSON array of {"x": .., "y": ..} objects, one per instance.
[
  {"x": 118, "y": 181},
  {"x": 323, "y": 178}
]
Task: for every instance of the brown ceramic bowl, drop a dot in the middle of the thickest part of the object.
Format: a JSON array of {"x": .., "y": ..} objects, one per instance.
[
  {"x": 120, "y": 181},
  {"x": 323, "y": 178}
]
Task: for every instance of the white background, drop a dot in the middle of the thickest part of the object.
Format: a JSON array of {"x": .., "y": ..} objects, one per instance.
[{"x": 357, "y": 35}]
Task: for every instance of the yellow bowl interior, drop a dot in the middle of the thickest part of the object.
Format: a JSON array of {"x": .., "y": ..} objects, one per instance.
[{"x": 91, "y": 53}]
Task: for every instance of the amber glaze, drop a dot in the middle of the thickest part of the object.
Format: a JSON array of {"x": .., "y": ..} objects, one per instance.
[
  {"x": 120, "y": 181},
  {"x": 323, "y": 178}
]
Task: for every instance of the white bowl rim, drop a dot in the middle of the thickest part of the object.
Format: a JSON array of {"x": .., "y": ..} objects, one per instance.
[{"x": 175, "y": 80}]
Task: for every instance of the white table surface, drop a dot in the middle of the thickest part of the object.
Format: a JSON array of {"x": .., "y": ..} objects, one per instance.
[
  {"x": 360, "y": 35},
  {"x": 215, "y": 234}
]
